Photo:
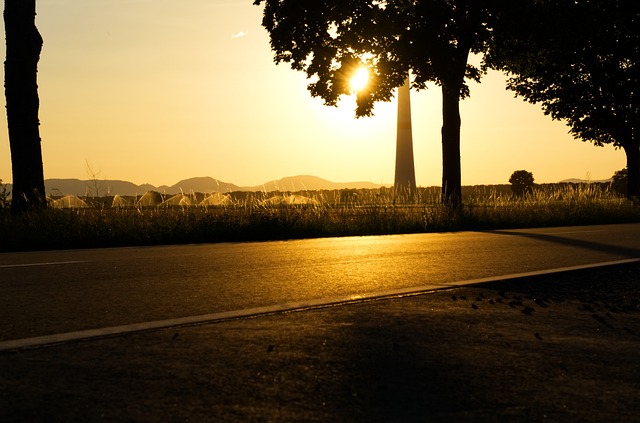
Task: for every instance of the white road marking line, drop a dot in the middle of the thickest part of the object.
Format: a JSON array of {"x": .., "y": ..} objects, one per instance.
[
  {"x": 6, "y": 266},
  {"x": 64, "y": 338}
]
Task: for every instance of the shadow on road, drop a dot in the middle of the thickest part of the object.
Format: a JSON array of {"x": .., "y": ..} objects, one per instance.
[{"x": 588, "y": 245}]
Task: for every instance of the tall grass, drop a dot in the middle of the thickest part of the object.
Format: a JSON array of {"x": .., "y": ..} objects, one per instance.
[
  {"x": 572, "y": 204},
  {"x": 363, "y": 212}
]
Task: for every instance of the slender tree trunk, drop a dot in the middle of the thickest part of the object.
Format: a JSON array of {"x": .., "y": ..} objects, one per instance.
[
  {"x": 632, "y": 151},
  {"x": 451, "y": 175},
  {"x": 24, "y": 44}
]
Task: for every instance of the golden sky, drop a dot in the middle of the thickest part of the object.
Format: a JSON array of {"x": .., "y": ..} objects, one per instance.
[{"x": 155, "y": 91}]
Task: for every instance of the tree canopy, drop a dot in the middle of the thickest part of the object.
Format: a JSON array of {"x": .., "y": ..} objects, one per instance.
[
  {"x": 521, "y": 182},
  {"x": 431, "y": 39},
  {"x": 581, "y": 61}
]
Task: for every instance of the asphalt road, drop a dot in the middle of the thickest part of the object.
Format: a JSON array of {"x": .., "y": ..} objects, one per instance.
[{"x": 43, "y": 293}]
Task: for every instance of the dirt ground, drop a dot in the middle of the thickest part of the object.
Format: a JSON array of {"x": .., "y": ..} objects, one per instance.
[{"x": 556, "y": 348}]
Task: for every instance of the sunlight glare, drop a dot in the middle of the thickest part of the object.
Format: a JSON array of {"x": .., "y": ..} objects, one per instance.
[{"x": 360, "y": 79}]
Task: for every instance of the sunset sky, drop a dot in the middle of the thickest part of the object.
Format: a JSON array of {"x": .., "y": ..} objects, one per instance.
[{"x": 155, "y": 91}]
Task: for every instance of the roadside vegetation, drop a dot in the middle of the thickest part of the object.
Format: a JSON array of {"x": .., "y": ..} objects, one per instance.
[{"x": 271, "y": 216}]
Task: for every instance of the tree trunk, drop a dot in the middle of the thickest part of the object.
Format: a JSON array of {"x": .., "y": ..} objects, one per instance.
[
  {"x": 632, "y": 151},
  {"x": 24, "y": 44},
  {"x": 451, "y": 177}
]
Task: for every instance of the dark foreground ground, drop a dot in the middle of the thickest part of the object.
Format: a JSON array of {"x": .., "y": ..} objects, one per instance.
[{"x": 555, "y": 348}]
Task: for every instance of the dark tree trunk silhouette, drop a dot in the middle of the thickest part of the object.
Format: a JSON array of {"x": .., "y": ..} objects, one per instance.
[
  {"x": 451, "y": 174},
  {"x": 24, "y": 44},
  {"x": 632, "y": 150},
  {"x": 452, "y": 75}
]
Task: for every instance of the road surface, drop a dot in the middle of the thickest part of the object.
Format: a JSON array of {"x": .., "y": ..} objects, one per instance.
[{"x": 44, "y": 293}]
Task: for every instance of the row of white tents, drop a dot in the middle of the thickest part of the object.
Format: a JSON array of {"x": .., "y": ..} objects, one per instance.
[{"x": 155, "y": 199}]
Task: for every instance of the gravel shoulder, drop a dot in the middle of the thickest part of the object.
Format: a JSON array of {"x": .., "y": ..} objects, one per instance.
[{"x": 561, "y": 347}]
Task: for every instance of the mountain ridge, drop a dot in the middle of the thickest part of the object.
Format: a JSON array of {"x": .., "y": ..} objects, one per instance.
[
  {"x": 205, "y": 184},
  {"x": 584, "y": 181}
]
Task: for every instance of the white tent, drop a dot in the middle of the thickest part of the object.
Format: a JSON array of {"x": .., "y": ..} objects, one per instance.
[
  {"x": 69, "y": 202},
  {"x": 120, "y": 202},
  {"x": 177, "y": 200},
  {"x": 216, "y": 199},
  {"x": 290, "y": 200},
  {"x": 149, "y": 199}
]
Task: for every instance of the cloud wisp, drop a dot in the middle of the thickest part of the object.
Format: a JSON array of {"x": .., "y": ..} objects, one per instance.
[{"x": 240, "y": 34}]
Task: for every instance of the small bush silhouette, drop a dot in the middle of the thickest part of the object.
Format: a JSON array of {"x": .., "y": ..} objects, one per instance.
[
  {"x": 619, "y": 182},
  {"x": 521, "y": 183},
  {"x": 4, "y": 196}
]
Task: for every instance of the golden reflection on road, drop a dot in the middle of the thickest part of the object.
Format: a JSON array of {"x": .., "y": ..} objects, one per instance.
[{"x": 109, "y": 287}]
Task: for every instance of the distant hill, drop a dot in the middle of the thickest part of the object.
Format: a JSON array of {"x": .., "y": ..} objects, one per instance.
[
  {"x": 582, "y": 181},
  {"x": 310, "y": 183},
  {"x": 88, "y": 187},
  {"x": 57, "y": 187},
  {"x": 202, "y": 184},
  {"x": 112, "y": 187}
]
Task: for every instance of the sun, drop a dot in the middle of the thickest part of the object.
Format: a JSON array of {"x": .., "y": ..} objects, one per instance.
[{"x": 359, "y": 80}]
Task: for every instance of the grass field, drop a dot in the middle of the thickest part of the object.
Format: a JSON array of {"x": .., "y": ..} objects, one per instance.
[{"x": 269, "y": 216}]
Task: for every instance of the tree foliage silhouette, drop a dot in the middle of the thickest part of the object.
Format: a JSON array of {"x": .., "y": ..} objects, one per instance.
[
  {"x": 24, "y": 44},
  {"x": 521, "y": 182},
  {"x": 431, "y": 39},
  {"x": 581, "y": 61}
]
